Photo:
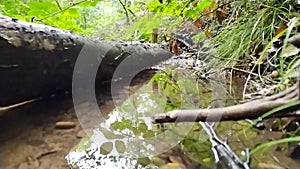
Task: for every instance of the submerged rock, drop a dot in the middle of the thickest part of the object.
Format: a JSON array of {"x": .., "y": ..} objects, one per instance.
[{"x": 64, "y": 125}]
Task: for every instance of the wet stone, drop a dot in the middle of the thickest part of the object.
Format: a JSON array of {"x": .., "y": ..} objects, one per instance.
[{"x": 81, "y": 134}]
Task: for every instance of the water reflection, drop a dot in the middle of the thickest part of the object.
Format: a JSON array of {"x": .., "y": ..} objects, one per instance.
[
  {"x": 128, "y": 136},
  {"x": 129, "y": 125}
]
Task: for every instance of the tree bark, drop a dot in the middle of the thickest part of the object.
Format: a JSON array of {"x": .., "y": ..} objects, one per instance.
[{"x": 38, "y": 60}]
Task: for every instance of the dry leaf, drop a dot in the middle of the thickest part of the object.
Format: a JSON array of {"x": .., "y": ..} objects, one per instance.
[
  {"x": 280, "y": 29},
  {"x": 208, "y": 10},
  {"x": 290, "y": 50},
  {"x": 174, "y": 47},
  {"x": 198, "y": 23},
  {"x": 221, "y": 16},
  {"x": 208, "y": 32}
]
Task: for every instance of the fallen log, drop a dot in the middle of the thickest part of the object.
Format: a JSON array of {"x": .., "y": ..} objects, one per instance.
[
  {"x": 38, "y": 60},
  {"x": 249, "y": 110}
]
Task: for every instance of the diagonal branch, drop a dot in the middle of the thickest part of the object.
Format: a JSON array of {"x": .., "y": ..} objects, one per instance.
[{"x": 249, "y": 110}]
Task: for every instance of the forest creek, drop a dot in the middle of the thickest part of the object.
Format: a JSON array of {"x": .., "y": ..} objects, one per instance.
[{"x": 155, "y": 84}]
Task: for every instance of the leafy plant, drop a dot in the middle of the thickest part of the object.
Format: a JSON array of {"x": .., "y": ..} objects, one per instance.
[
  {"x": 61, "y": 14},
  {"x": 188, "y": 9}
]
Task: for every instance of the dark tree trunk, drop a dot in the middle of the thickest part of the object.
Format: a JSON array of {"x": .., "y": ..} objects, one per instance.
[{"x": 38, "y": 60}]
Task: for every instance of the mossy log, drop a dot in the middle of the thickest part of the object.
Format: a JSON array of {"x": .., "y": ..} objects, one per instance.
[{"x": 38, "y": 60}]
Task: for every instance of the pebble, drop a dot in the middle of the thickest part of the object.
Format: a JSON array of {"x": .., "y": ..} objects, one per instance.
[
  {"x": 64, "y": 125},
  {"x": 275, "y": 74},
  {"x": 81, "y": 134}
]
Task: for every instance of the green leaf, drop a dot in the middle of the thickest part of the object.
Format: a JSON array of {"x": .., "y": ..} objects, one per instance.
[
  {"x": 190, "y": 13},
  {"x": 143, "y": 127},
  {"x": 106, "y": 148},
  {"x": 203, "y": 4},
  {"x": 148, "y": 134},
  {"x": 154, "y": 6},
  {"x": 42, "y": 8},
  {"x": 121, "y": 125},
  {"x": 92, "y": 3},
  {"x": 120, "y": 146},
  {"x": 144, "y": 161},
  {"x": 110, "y": 134}
]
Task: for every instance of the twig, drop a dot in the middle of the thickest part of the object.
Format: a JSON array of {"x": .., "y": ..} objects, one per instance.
[
  {"x": 185, "y": 6},
  {"x": 61, "y": 10},
  {"x": 222, "y": 151},
  {"x": 125, "y": 9}
]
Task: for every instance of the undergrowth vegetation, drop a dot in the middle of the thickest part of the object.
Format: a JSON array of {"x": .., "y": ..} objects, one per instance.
[{"x": 255, "y": 26}]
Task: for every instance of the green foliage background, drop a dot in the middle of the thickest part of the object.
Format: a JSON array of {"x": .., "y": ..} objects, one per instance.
[{"x": 115, "y": 20}]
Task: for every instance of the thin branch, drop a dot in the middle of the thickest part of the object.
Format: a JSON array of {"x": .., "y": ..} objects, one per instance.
[
  {"x": 288, "y": 99},
  {"x": 61, "y": 10},
  {"x": 185, "y": 6},
  {"x": 249, "y": 110},
  {"x": 224, "y": 154},
  {"x": 125, "y": 9},
  {"x": 57, "y": 3}
]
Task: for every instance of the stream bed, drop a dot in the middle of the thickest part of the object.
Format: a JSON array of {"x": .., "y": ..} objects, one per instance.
[{"x": 30, "y": 137}]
